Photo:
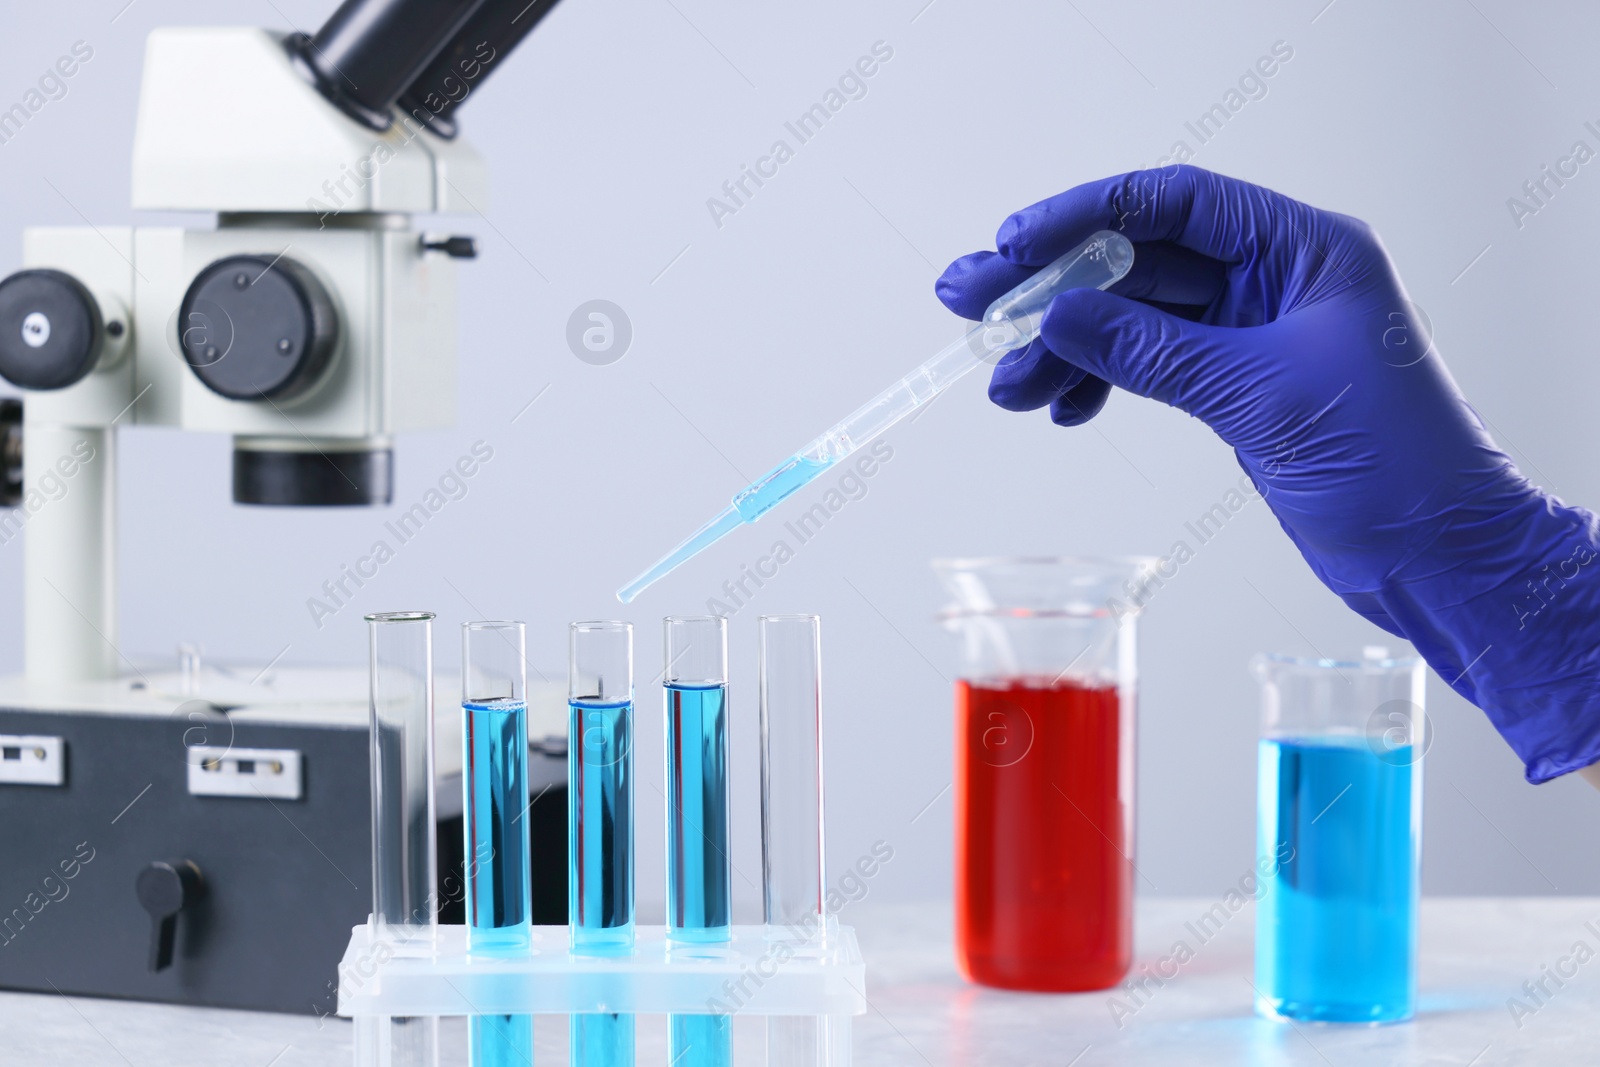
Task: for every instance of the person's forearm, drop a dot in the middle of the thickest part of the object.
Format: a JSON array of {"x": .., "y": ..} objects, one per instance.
[{"x": 1525, "y": 645}]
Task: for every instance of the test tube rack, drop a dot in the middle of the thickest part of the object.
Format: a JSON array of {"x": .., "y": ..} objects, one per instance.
[
  {"x": 401, "y": 971},
  {"x": 752, "y": 974}
]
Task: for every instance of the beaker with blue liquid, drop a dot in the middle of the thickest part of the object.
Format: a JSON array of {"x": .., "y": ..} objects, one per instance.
[{"x": 1339, "y": 837}]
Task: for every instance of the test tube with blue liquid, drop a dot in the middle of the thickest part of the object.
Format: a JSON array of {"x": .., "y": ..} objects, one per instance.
[
  {"x": 600, "y": 878},
  {"x": 499, "y": 888},
  {"x": 1339, "y": 837},
  {"x": 699, "y": 873}
]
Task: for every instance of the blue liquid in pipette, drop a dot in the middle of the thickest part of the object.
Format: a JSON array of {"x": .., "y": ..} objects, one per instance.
[
  {"x": 778, "y": 485},
  {"x": 500, "y": 1040},
  {"x": 602, "y": 1040},
  {"x": 699, "y": 878},
  {"x": 754, "y": 501},
  {"x": 495, "y": 788},
  {"x": 600, "y": 825},
  {"x": 1336, "y": 925},
  {"x": 700, "y": 1040}
]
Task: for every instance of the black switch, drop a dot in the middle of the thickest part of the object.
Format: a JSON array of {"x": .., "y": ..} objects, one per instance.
[
  {"x": 164, "y": 890},
  {"x": 456, "y": 247}
]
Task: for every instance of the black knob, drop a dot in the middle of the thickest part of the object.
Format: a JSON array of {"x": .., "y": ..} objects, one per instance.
[
  {"x": 455, "y": 247},
  {"x": 164, "y": 890},
  {"x": 254, "y": 327},
  {"x": 50, "y": 330}
]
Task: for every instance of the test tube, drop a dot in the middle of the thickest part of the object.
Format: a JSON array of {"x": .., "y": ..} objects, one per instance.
[
  {"x": 699, "y": 878},
  {"x": 600, "y": 785},
  {"x": 791, "y": 776},
  {"x": 699, "y": 874},
  {"x": 495, "y": 778},
  {"x": 602, "y": 1040},
  {"x": 404, "y": 897},
  {"x": 792, "y": 872},
  {"x": 401, "y": 701},
  {"x": 499, "y": 898},
  {"x": 600, "y": 820}
]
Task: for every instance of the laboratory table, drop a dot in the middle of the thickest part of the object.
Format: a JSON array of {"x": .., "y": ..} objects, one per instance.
[{"x": 1476, "y": 956}]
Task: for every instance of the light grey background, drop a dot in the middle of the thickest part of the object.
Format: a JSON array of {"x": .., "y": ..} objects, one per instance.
[{"x": 606, "y": 136}]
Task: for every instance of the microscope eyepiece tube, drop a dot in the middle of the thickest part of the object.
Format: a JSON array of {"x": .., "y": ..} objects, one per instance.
[
  {"x": 482, "y": 45},
  {"x": 368, "y": 51}
]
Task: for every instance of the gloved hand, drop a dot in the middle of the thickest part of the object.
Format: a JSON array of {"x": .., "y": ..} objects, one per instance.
[{"x": 1287, "y": 331}]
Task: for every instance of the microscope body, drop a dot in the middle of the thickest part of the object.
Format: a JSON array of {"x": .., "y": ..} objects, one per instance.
[
  {"x": 312, "y": 323},
  {"x": 326, "y": 324}
]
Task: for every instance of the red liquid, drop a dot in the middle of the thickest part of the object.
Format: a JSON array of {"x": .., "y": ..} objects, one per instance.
[{"x": 1044, "y": 878}]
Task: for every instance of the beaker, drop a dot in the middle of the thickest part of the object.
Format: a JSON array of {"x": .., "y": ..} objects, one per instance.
[
  {"x": 1339, "y": 837},
  {"x": 1044, "y": 716}
]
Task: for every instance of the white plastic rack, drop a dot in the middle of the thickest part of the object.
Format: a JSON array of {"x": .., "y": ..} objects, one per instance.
[{"x": 751, "y": 974}]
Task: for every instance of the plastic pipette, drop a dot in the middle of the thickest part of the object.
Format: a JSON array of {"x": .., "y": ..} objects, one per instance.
[{"x": 1011, "y": 322}]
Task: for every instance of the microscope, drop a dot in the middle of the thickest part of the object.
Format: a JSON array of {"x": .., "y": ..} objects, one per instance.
[{"x": 216, "y": 827}]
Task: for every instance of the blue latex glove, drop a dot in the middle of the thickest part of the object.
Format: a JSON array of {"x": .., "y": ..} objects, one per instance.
[{"x": 1287, "y": 331}]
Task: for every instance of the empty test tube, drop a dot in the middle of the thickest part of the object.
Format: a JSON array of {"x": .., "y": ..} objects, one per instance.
[
  {"x": 791, "y": 776},
  {"x": 495, "y": 784},
  {"x": 401, "y": 703},
  {"x": 792, "y": 873},
  {"x": 404, "y": 895}
]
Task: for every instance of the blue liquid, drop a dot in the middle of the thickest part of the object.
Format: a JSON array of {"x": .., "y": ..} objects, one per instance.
[
  {"x": 499, "y": 897},
  {"x": 699, "y": 877},
  {"x": 749, "y": 504},
  {"x": 500, "y": 1040},
  {"x": 600, "y": 825},
  {"x": 700, "y": 1040},
  {"x": 602, "y": 1041},
  {"x": 776, "y": 486},
  {"x": 1336, "y": 926},
  {"x": 699, "y": 874}
]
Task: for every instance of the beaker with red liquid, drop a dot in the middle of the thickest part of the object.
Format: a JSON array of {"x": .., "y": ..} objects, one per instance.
[{"x": 1044, "y": 716}]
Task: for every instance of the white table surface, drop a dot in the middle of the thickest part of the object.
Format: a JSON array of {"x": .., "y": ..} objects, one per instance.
[{"x": 1476, "y": 953}]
